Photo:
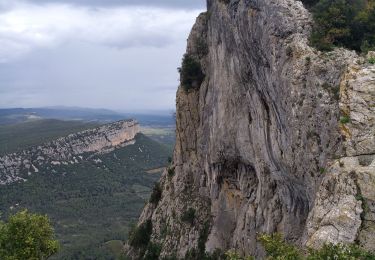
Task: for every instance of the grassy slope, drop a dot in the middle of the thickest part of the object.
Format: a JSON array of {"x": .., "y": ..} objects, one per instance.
[
  {"x": 91, "y": 204},
  {"x": 20, "y": 136}
]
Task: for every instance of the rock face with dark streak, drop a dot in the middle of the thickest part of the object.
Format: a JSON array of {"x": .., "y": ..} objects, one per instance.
[{"x": 260, "y": 147}]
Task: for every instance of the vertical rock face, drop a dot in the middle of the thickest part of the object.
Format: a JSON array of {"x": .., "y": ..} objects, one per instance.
[
  {"x": 260, "y": 147},
  {"x": 344, "y": 209}
]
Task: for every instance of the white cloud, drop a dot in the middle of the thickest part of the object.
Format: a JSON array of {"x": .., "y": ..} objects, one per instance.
[{"x": 26, "y": 27}]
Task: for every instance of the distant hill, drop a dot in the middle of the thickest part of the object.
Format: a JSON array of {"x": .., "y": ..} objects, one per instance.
[
  {"x": 20, "y": 136},
  {"x": 20, "y": 115},
  {"x": 93, "y": 202}
]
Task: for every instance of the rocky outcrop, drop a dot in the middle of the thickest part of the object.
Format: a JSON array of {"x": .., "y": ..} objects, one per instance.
[
  {"x": 345, "y": 205},
  {"x": 67, "y": 150},
  {"x": 264, "y": 145}
]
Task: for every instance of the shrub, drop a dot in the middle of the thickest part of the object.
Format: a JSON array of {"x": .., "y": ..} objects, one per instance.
[
  {"x": 339, "y": 251},
  {"x": 217, "y": 254},
  {"x": 334, "y": 91},
  {"x": 371, "y": 60},
  {"x": 202, "y": 47},
  {"x": 152, "y": 252},
  {"x": 277, "y": 248},
  {"x": 188, "y": 216},
  {"x": 170, "y": 257},
  {"x": 27, "y": 236},
  {"x": 233, "y": 255},
  {"x": 346, "y": 23},
  {"x": 309, "y": 3},
  {"x": 156, "y": 194},
  {"x": 139, "y": 237},
  {"x": 203, "y": 236},
  {"x": 171, "y": 172},
  {"x": 192, "y": 254},
  {"x": 344, "y": 119},
  {"x": 308, "y": 61},
  {"x": 190, "y": 73},
  {"x": 170, "y": 160}
]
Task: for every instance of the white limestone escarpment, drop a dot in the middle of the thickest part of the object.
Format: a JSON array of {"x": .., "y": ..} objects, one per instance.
[
  {"x": 259, "y": 146},
  {"x": 67, "y": 150}
]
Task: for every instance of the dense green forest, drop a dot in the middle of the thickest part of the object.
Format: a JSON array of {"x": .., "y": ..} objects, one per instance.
[
  {"x": 19, "y": 136},
  {"x": 343, "y": 23},
  {"x": 91, "y": 205}
]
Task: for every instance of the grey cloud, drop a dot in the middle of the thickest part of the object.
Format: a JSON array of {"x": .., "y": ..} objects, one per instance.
[
  {"x": 93, "y": 76},
  {"x": 152, "y": 40},
  {"x": 123, "y": 27},
  {"x": 187, "y": 4},
  {"x": 81, "y": 56}
]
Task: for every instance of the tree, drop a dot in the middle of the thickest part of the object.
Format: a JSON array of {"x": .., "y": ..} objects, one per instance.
[
  {"x": 344, "y": 23},
  {"x": 156, "y": 194},
  {"x": 27, "y": 236},
  {"x": 191, "y": 73},
  {"x": 278, "y": 249},
  {"x": 309, "y": 3}
]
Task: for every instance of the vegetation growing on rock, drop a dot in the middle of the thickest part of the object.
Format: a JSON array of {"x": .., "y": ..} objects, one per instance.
[
  {"x": 343, "y": 23},
  {"x": 156, "y": 194},
  {"x": 344, "y": 119},
  {"x": 310, "y": 3},
  {"x": 277, "y": 248},
  {"x": 191, "y": 73},
  {"x": 188, "y": 216},
  {"x": 171, "y": 172},
  {"x": 139, "y": 237}
]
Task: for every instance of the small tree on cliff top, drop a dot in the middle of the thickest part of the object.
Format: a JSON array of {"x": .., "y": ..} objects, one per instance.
[{"x": 191, "y": 73}]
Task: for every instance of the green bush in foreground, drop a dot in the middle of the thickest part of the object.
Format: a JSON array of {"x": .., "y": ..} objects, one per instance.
[
  {"x": 277, "y": 249},
  {"x": 340, "y": 252},
  {"x": 232, "y": 255},
  {"x": 27, "y": 236}
]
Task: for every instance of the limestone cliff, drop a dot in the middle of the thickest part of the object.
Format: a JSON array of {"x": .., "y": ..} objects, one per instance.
[
  {"x": 66, "y": 150},
  {"x": 278, "y": 138}
]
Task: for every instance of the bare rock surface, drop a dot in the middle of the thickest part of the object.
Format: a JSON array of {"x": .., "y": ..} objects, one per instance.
[
  {"x": 261, "y": 145},
  {"x": 344, "y": 210}
]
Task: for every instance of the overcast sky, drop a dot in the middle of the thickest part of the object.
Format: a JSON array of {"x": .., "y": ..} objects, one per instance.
[{"x": 117, "y": 54}]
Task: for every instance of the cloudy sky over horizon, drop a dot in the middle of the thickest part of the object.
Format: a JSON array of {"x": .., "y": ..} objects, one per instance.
[{"x": 116, "y": 54}]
